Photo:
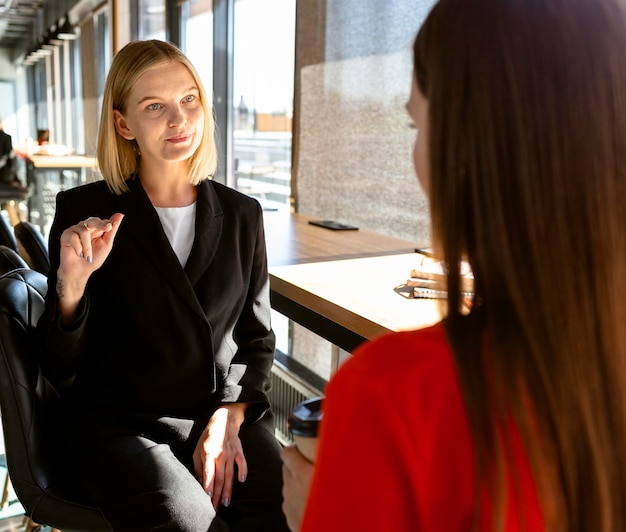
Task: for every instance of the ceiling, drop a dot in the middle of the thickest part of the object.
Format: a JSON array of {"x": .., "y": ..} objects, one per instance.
[{"x": 16, "y": 21}]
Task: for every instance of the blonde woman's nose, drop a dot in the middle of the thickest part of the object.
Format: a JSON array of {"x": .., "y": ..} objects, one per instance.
[{"x": 177, "y": 118}]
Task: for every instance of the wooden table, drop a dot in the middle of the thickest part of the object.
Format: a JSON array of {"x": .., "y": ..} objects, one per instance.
[
  {"x": 63, "y": 162},
  {"x": 292, "y": 240},
  {"x": 345, "y": 286},
  {"x": 37, "y": 165}
]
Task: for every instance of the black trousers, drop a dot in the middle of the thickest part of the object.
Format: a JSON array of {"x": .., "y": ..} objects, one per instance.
[{"x": 139, "y": 471}]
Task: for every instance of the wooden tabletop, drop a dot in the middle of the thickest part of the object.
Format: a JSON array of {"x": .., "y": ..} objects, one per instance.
[
  {"x": 292, "y": 240},
  {"x": 346, "y": 286},
  {"x": 62, "y": 161},
  {"x": 367, "y": 296}
]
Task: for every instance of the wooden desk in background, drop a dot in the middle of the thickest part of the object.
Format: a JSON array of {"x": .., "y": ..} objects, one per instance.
[
  {"x": 38, "y": 165},
  {"x": 342, "y": 285}
]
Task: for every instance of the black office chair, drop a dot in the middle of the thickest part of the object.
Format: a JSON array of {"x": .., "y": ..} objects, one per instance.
[
  {"x": 26, "y": 398},
  {"x": 32, "y": 246},
  {"x": 10, "y": 260}
]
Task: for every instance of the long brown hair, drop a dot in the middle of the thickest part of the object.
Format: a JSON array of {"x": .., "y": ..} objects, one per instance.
[{"x": 527, "y": 102}]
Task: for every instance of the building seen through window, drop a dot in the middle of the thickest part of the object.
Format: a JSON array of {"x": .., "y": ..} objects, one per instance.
[{"x": 264, "y": 37}]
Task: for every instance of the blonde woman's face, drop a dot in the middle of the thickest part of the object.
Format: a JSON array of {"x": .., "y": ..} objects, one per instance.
[
  {"x": 417, "y": 107},
  {"x": 164, "y": 114}
]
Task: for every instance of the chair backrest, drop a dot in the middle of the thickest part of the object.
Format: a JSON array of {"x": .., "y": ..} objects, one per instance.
[
  {"x": 26, "y": 400},
  {"x": 13, "y": 190},
  {"x": 10, "y": 260},
  {"x": 7, "y": 236},
  {"x": 32, "y": 246}
]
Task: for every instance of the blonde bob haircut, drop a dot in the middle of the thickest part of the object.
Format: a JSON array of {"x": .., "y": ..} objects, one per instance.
[{"x": 118, "y": 158}]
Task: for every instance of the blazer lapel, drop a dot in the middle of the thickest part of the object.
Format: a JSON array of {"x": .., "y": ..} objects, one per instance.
[
  {"x": 209, "y": 223},
  {"x": 142, "y": 224}
]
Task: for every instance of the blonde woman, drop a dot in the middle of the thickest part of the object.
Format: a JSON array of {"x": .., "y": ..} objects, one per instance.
[{"x": 158, "y": 311}]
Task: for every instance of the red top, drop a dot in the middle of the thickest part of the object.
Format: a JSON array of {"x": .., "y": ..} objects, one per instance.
[{"x": 396, "y": 453}]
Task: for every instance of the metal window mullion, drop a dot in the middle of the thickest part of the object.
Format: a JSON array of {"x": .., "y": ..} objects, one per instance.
[{"x": 223, "y": 46}]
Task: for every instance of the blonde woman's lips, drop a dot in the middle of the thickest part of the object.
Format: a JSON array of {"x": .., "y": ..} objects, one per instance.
[{"x": 179, "y": 138}]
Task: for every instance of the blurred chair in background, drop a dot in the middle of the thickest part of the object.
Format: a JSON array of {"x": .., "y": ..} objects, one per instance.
[
  {"x": 7, "y": 235},
  {"x": 10, "y": 260},
  {"x": 32, "y": 246}
]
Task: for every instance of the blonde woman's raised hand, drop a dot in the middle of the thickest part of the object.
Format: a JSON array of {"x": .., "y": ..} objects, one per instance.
[{"x": 84, "y": 248}]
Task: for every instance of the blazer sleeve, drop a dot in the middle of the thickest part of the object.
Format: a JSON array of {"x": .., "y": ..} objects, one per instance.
[{"x": 248, "y": 378}]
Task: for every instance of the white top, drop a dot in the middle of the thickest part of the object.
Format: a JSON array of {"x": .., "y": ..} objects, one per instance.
[{"x": 179, "y": 226}]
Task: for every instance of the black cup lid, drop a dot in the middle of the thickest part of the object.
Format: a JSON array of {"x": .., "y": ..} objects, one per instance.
[{"x": 305, "y": 417}]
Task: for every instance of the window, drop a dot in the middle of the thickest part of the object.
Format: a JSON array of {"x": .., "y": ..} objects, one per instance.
[
  {"x": 198, "y": 39},
  {"x": 263, "y": 66},
  {"x": 151, "y": 18}
]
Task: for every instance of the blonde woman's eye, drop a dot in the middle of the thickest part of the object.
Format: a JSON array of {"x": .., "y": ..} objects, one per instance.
[
  {"x": 154, "y": 107},
  {"x": 190, "y": 98}
]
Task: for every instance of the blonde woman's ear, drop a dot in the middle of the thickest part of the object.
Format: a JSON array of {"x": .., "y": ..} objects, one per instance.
[{"x": 121, "y": 126}]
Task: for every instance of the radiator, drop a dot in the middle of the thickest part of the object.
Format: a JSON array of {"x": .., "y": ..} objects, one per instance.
[{"x": 288, "y": 390}]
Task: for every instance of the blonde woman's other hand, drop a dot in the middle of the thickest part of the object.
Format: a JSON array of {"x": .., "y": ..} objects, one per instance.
[{"x": 218, "y": 457}]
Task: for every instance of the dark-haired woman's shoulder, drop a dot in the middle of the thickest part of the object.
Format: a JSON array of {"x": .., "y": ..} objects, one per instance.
[
  {"x": 418, "y": 351},
  {"x": 395, "y": 403},
  {"x": 416, "y": 366}
]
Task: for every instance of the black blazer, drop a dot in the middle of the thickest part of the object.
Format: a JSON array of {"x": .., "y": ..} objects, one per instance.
[{"x": 156, "y": 338}]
